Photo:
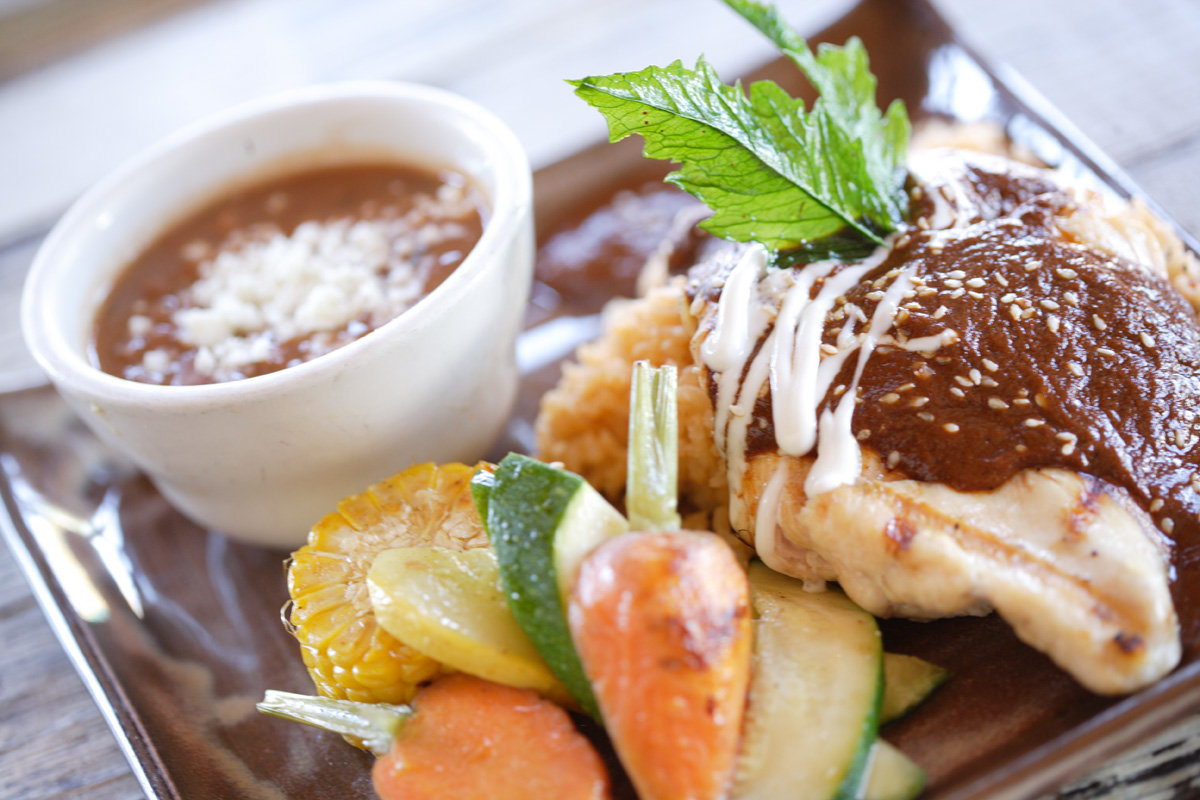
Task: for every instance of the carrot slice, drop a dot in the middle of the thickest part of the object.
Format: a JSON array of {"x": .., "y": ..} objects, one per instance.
[
  {"x": 662, "y": 624},
  {"x": 473, "y": 738}
]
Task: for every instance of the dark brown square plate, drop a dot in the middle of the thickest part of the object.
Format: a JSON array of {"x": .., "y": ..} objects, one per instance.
[{"x": 177, "y": 632}]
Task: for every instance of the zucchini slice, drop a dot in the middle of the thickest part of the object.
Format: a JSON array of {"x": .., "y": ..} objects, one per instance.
[
  {"x": 813, "y": 710},
  {"x": 542, "y": 521},
  {"x": 891, "y": 775},
  {"x": 907, "y": 681}
]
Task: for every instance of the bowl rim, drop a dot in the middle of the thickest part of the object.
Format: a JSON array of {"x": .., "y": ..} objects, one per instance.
[{"x": 510, "y": 200}]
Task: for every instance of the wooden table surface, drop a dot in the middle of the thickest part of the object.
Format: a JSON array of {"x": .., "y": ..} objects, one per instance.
[{"x": 83, "y": 85}]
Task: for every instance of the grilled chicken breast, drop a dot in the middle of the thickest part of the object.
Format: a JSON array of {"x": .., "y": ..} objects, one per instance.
[
  {"x": 1077, "y": 569},
  {"x": 991, "y": 413}
]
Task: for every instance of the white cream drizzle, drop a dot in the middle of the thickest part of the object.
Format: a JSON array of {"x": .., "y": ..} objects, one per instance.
[
  {"x": 839, "y": 457},
  {"x": 797, "y": 385},
  {"x": 739, "y": 322},
  {"x": 941, "y": 174},
  {"x": 766, "y": 519},
  {"x": 923, "y": 344},
  {"x": 791, "y": 360}
]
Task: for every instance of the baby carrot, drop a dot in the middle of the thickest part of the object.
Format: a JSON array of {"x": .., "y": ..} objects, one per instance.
[
  {"x": 463, "y": 737},
  {"x": 474, "y": 738},
  {"x": 661, "y": 622}
]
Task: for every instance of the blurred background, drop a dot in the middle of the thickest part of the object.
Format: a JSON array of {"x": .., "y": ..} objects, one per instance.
[{"x": 86, "y": 84}]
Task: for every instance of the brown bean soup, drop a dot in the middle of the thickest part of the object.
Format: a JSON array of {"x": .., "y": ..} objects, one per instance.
[{"x": 285, "y": 270}]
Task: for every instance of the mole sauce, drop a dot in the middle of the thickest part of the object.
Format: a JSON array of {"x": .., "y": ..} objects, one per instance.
[{"x": 1065, "y": 357}]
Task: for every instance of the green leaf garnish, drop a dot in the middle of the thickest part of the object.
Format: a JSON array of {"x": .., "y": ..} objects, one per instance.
[{"x": 805, "y": 184}]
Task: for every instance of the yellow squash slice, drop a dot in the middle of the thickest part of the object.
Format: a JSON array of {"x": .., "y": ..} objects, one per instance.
[
  {"x": 347, "y": 653},
  {"x": 451, "y": 607}
]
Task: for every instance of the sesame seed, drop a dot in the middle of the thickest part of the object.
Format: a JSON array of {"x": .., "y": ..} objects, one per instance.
[
  {"x": 916, "y": 193},
  {"x": 1067, "y": 449},
  {"x": 1156, "y": 505},
  {"x": 974, "y": 294},
  {"x": 839, "y": 390},
  {"x": 936, "y": 248},
  {"x": 997, "y": 403},
  {"x": 1049, "y": 305},
  {"x": 957, "y": 293},
  {"x": 963, "y": 381},
  {"x": 889, "y": 398},
  {"x": 1033, "y": 423},
  {"x": 906, "y": 387},
  {"x": 1014, "y": 311},
  {"x": 957, "y": 392},
  {"x": 875, "y": 296},
  {"x": 1099, "y": 323},
  {"x": 1168, "y": 525},
  {"x": 953, "y": 283},
  {"x": 1075, "y": 369},
  {"x": 1008, "y": 297},
  {"x": 941, "y": 312},
  {"x": 828, "y": 349},
  {"x": 988, "y": 382},
  {"x": 1021, "y": 448},
  {"x": 1066, "y": 436},
  {"x": 1000, "y": 279},
  {"x": 1064, "y": 272},
  {"x": 1020, "y": 401},
  {"x": 957, "y": 274},
  {"x": 1071, "y": 298},
  {"x": 925, "y": 416},
  {"x": 1147, "y": 339},
  {"x": 893, "y": 459},
  {"x": 1027, "y": 313},
  {"x": 1032, "y": 264},
  {"x": 917, "y": 402},
  {"x": 1040, "y": 399},
  {"x": 950, "y": 427},
  {"x": 975, "y": 375},
  {"x": 926, "y": 291},
  {"x": 990, "y": 365},
  {"x": 1104, "y": 351},
  {"x": 923, "y": 224},
  {"x": 977, "y": 283},
  {"x": 863, "y": 435}
]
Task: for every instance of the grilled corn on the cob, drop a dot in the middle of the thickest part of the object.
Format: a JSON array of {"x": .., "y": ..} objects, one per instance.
[{"x": 347, "y": 654}]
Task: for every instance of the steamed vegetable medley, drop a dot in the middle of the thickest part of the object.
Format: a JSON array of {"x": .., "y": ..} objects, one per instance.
[{"x": 713, "y": 677}]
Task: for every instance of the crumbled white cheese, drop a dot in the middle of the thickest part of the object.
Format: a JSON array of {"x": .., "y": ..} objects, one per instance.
[{"x": 265, "y": 290}]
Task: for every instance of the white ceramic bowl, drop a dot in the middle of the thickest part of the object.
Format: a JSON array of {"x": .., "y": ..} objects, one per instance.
[{"x": 262, "y": 459}]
